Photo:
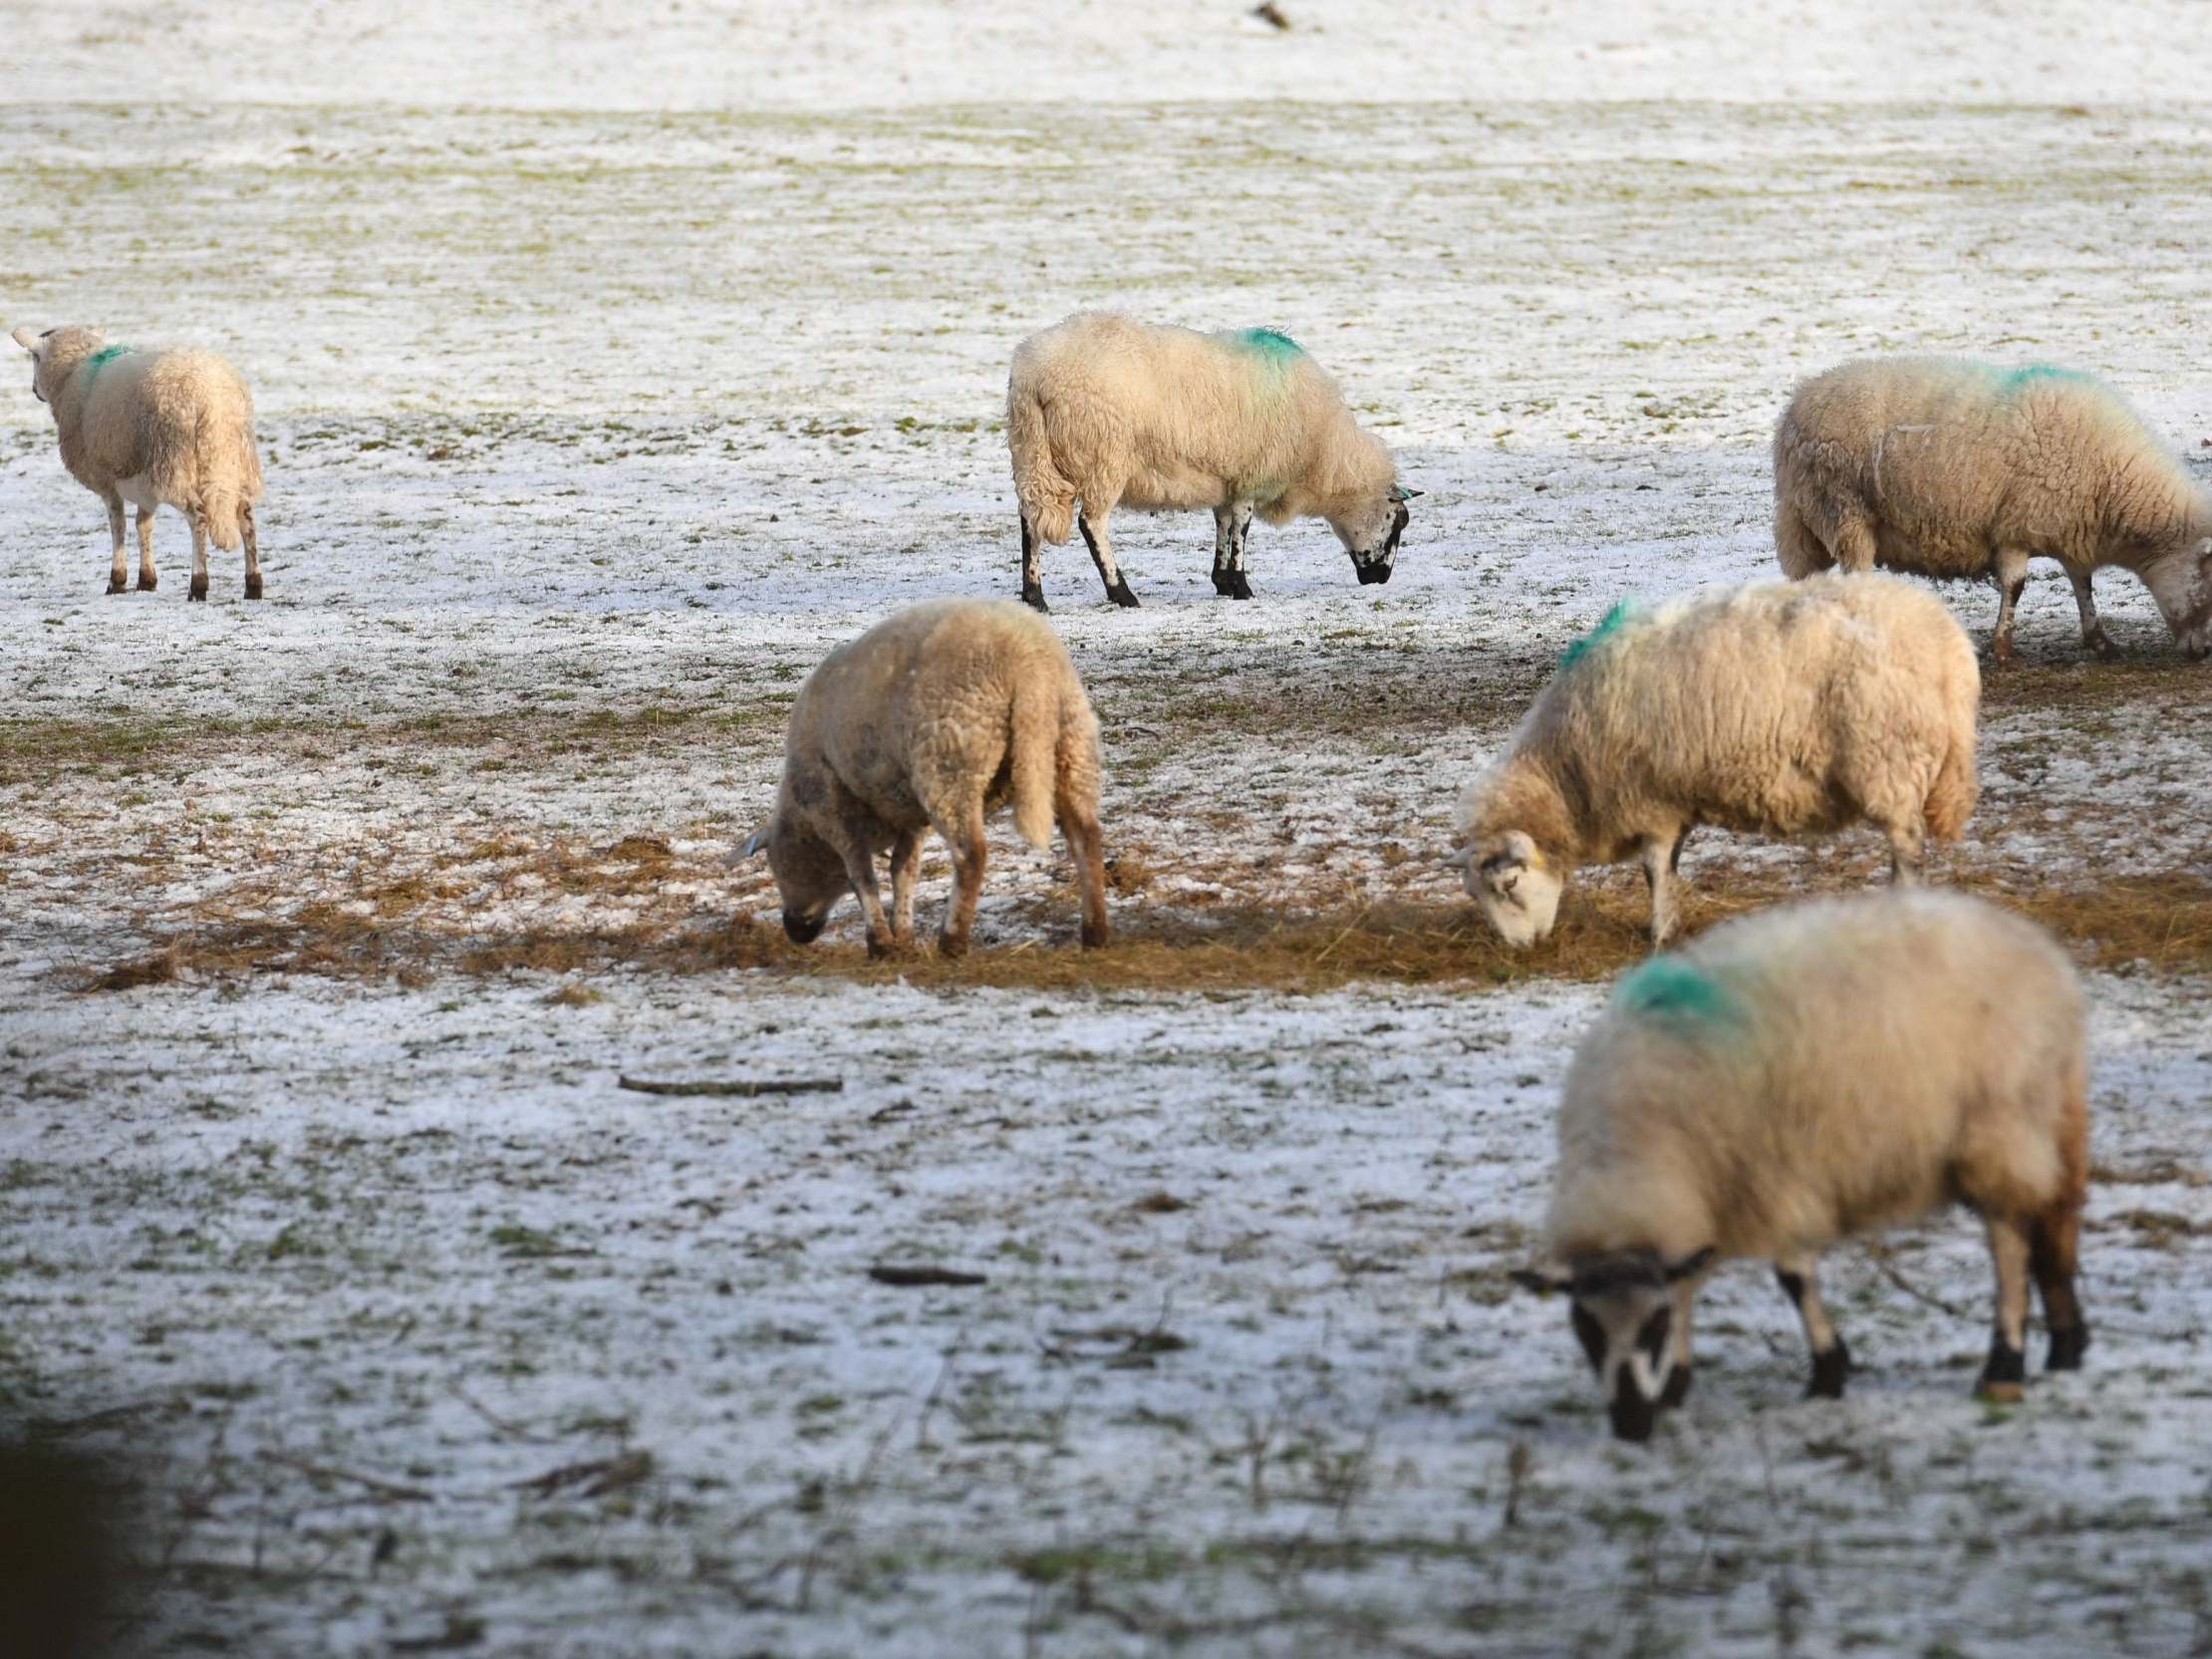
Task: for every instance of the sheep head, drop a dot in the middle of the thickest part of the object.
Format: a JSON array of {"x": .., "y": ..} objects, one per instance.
[
  {"x": 1516, "y": 886},
  {"x": 810, "y": 877},
  {"x": 54, "y": 353},
  {"x": 1370, "y": 535},
  {"x": 1622, "y": 1307}
]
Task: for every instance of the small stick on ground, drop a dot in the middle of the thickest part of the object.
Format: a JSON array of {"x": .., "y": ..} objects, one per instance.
[
  {"x": 1881, "y": 1259},
  {"x": 392, "y": 1490},
  {"x": 885, "y": 1273},
  {"x": 742, "y": 1088}
]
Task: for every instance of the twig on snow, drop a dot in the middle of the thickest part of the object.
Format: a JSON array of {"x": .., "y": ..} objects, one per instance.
[{"x": 743, "y": 1088}]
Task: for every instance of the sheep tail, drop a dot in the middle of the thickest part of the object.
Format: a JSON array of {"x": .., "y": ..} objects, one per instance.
[
  {"x": 219, "y": 506},
  {"x": 1034, "y": 759},
  {"x": 1048, "y": 499},
  {"x": 232, "y": 478},
  {"x": 1951, "y": 798},
  {"x": 1798, "y": 551}
]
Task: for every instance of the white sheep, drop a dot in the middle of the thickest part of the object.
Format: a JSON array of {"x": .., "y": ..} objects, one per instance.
[
  {"x": 1115, "y": 412},
  {"x": 1780, "y": 709},
  {"x": 930, "y": 720},
  {"x": 1802, "y": 1075},
  {"x": 1946, "y": 468},
  {"x": 170, "y": 428}
]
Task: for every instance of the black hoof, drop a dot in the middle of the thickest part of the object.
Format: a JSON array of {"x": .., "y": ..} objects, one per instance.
[
  {"x": 199, "y": 590},
  {"x": 1119, "y": 594},
  {"x": 1033, "y": 597},
  {"x": 1828, "y": 1371},
  {"x": 147, "y": 583},
  {"x": 2067, "y": 1348},
  {"x": 253, "y": 587},
  {"x": 952, "y": 945},
  {"x": 2004, "y": 1377},
  {"x": 1678, "y": 1387},
  {"x": 1224, "y": 586},
  {"x": 116, "y": 584},
  {"x": 1238, "y": 588}
]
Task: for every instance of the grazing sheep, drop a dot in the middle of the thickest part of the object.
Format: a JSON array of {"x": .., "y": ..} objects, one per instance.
[
  {"x": 149, "y": 428},
  {"x": 1117, "y": 412},
  {"x": 930, "y": 720},
  {"x": 1783, "y": 708},
  {"x": 1805, "y": 1075},
  {"x": 1944, "y": 468}
]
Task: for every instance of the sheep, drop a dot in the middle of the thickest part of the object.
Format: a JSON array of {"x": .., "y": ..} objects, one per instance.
[
  {"x": 1952, "y": 469},
  {"x": 153, "y": 428},
  {"x": 930, "y": 720},
  {"x": 1808, "y": 1074},
  {"x": 1117, "y": 412},
  {"x": 1785, "y": 709}
]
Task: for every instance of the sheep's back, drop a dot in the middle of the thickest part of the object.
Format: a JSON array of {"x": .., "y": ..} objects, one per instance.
[
  {"x": 923, "y": 694},
  {"x": 1852, "y": 1055},
  {"x": 171, "y": 416},
  {"x": 1951, "y": 459},
  {"x": 1745, "y": 705},
  {"x": 1157, "y": 406}
]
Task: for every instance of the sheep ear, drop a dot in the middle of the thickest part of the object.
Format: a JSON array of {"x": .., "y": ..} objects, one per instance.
[
  {"x": 27, "y": 340},
  {"x": 1399, "y": 492},
  {"x": 1689, "y": 1266},
  {"x": 1548, "y": 1280}
]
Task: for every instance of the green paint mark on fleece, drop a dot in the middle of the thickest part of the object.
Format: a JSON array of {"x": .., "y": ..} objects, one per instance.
[
  {"x": 1271, "y": 343},
  {"x": 105, "y": 356},
  {"x": 1574, "y": 652},
  {"x": 2012, "y": 380},
  {"x": 1669, "y": 988}
]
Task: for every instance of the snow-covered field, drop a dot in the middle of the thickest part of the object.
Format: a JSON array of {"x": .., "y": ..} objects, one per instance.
[{"x": 610, "y": 372}]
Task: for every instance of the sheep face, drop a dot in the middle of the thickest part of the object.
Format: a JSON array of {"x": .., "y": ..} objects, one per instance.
[
  {"x": 1371, "y": 536},
  {"x": 1622, "y": 1305},
  {"x": 810, "y": 878},
  {"x": 1516, "y": 887},
  {"x": 2191, "y": 620},
  {"x": 54, "y": 353}
]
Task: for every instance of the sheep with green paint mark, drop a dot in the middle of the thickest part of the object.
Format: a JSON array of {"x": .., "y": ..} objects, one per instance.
[
  {"x": 152, "y": 429},
  {"x": 1777, "y": 708},
  {"x": 1108, "y": 411},
  {"x": 1808, "y": 1074},
  {"x": 1952, "y": 469}
]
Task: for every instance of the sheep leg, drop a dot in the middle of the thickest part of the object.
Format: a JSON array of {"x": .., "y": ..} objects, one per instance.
[
  {"x": 1855, "y": 545},
  {"x": 2009, "y": 570},
  {"x": 2093, "y": 631},
  {"x": 2053, "y": 1237},
  {"x": 1220, "y": 551},
  {"x": 906, "y": 859},
  {"x": 860, "y": 870},
  {"x": 1032, "y": 568},
  {"x": 1239, "y": 530},
  {"x": 1678, "y": 1338},
  {"x": 1659, "y": 877},
  {"x": 253, "y": 551},
  {"x": 146, "y": 577},
  {"x": 1831, "y": 1360},
  {"x": 2006, "y": 1372},
  {"x": 1102, "y": 555},
  {"x": 199, "y": 557},
  {"x": 115, "y": 530},
  {"x": 963, "y": 839},
  {"x": 1907, "y": 841},
  {"x": 1087, "y": 847}
]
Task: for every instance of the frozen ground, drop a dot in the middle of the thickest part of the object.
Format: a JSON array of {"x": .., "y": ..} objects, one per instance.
[{"x": 586, "y": 430}]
